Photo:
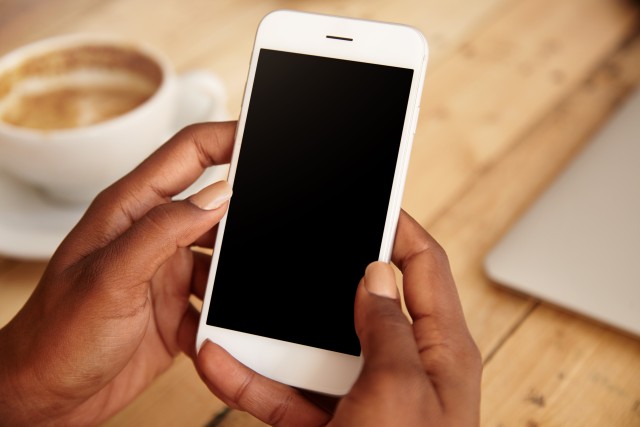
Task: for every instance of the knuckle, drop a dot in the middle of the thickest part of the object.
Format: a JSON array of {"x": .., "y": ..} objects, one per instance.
[
  {"x": 278, "y": 414},
  {"x": 242, "y": 394},
  {"x": 438, "y": 254},
  {"x": 195, "y": 134},
  {"x": 158, "y": 217},
  {"x": 431, "y": 253},
  {"x": 110, "y": 288},
  {"x": 175, "y": 224},
  {"x": 453, "y": 356},
  {"x": 91, "y": 274},
  {"x": 396, "y": 385}
]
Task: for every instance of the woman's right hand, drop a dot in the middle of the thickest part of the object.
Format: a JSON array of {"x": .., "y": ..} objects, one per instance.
[{"x": 423, "y": 372}]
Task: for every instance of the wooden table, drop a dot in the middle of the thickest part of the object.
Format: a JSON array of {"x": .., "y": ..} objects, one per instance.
[{"x": 513, "y": 90}]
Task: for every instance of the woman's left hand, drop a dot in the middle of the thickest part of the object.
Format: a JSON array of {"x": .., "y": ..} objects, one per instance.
[{"x": 112, "y": 309}]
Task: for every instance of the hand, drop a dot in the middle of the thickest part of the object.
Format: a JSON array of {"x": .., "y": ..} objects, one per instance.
[
  {"x": 425, "y": 373},
  {"x": 112, "y": 308}
]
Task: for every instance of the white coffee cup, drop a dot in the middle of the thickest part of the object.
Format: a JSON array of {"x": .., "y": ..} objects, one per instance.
[{"x": 63, "y": 131}]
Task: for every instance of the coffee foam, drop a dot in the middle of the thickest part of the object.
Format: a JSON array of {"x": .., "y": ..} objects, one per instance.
[
  {"x": 76, "y": 87},
  {"x": 79, "y": 98}
]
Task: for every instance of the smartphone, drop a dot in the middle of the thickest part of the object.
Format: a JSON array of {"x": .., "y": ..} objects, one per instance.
[{"x": 318, "y": 169}]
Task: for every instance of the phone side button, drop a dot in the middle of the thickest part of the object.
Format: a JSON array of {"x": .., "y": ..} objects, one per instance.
[{"x": 415, "y": 121}]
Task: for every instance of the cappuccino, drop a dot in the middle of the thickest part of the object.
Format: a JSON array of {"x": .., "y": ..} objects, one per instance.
[
  {"x": 79, "y": 111},
  {"x": 76, "y": 87}
]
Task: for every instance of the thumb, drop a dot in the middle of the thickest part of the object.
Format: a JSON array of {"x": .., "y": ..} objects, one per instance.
[
  {"x": 392, "y": 378},
  {"x": 385, "y": 333},
  {"x": 135, "y": 256},
  {"x": 97, "y": 310}
]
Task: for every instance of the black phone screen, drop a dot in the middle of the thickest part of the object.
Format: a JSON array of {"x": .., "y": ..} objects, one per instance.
[{"x": 311, "y": 193}]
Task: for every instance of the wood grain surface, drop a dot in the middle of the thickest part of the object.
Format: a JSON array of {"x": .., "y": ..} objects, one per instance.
[{"x": 513, "y": 90}]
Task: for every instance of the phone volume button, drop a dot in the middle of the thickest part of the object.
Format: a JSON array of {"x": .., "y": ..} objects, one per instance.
[{"x": 415, "y": 120}]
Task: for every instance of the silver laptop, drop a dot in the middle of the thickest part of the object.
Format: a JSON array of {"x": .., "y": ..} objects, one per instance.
[{"x": 578, "y": 246}]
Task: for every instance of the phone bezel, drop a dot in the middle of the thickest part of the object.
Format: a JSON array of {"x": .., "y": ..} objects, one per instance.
[{"x": 358, "y": 40}]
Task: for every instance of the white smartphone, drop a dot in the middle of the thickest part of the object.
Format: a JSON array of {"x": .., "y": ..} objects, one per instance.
[{"x": 318, "y": 169}]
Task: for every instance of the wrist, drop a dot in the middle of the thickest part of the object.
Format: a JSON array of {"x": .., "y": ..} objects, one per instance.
[
  {"x": 11, "y": 400},
  {"x": 33, "y": 392},
  {"x": 22, "y": 400}
]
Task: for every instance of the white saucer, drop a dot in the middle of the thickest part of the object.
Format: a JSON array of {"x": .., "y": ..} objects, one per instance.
[{"x": 32, "y": 225}]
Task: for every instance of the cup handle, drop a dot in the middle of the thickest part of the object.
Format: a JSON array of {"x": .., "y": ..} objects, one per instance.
[{"x": 201, "y": 97}]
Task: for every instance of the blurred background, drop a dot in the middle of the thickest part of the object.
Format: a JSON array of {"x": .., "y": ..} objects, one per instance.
[{"x": 513, "y": 90}]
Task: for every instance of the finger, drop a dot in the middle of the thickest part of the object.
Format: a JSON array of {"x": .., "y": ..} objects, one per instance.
[
  {"x": 241, "y": 388},
  {"x": 167, "y": 172},
  {"x": 208, "y": 239},
  {"x": 325, "y": 402},
  {"x": 134, "y": 257},
  {"x": 201, "y": 267},
  {"x": 391, "y": 356},
  {"x": 187, "y": 331},
  {"x": 178, "y": 163},
  {"x": 428, "y": 284},
  {"x": 446, "y": 347}
]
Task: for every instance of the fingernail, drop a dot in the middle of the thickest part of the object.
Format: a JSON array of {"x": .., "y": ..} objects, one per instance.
[
  {"x": 213, "y": 196},
  {"x": 379, "y": 279}
]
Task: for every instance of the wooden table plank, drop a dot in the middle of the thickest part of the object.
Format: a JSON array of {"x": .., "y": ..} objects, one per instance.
[
  {"x": 504, "y": 91},
  {"x": 470, "y": 228},
  {"x": 523, "y": 386},
  {"x": 447, "y": 24},
  {"x": 559, "y": 370},
  {"x": 25, "y": 21},
  {"x": 453, "y": 22},
  {"x": 482, "y": 100}
]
